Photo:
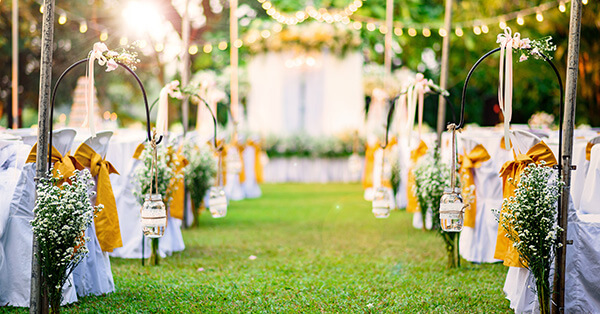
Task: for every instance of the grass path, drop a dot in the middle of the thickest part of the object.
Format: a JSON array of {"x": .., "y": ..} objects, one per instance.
[{"x": 318, "y": 249}]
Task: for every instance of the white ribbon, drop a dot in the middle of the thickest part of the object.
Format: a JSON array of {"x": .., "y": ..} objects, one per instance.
[
  {"x": 162, "y": 117},
  {"x": 505, "y": 88},
  {"x": 95, "y": 54},
  {"x": 415, "y": 100}
]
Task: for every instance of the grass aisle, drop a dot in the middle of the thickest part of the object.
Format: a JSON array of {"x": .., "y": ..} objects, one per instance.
[{"x": 318, "y": 248}]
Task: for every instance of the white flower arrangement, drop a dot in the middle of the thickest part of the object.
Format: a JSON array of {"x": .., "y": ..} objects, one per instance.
[
  {"x": 144, "y": 176},
  {"x": 529, "y": 219},
  {"x": 541, "y": 120},
  {"x": 62, "y": 214},
  {"x": 200, "y": 172}
]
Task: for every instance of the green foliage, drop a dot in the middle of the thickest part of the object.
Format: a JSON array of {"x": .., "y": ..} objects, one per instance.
[
  {"x": 200, "y": 172},
  {"x": 318, "y": 249}
]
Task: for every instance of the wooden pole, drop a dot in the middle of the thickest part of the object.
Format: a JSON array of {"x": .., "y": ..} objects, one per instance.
[
  {"x": 389, "y": 24},
  {"x": 185, "y": 65},
  {"x": 233, "y": 54},
  {"x": 36, "y": 305},
  {"x": 441, "y": 118},
  {"x": 558, "y": 306},
  {"x": 15, "y": 64}
]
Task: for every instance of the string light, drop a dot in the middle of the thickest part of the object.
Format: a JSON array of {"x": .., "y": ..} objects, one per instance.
[
  {"x": 321, "y": 15},
  {"x": 42, "y": 8},
  {"x": 193, "y": 49},
  {"x": 584, "y": 2},
  {"x": 62, "y": 19},
  {"x": 357, "y": 25},
  {"x": 222, "y": 45},
  {"x": 123, "y": 41},
  {"x": 485, "y": 29},
  {"x": 383, "y": 29},
  {"x": 502, "y": 24},
  {"x": 520, "y": 20},
  {"x": 539, "y": 17},
  {"x": 562, "y": 7},
  {"x": 459, "y": 32},
  {"x": 477, "y": 30},
  {"x": 426, "y": 32},
  {"x": 370, "y": 27},
  {"x": 103, "y": 36},
  {"x": 265, "y": 34},
  {"x": 83, "y": 27},
  {"x": 412, "y": 32},
  {"x": 142, "y": 44},
  {"x": 443, "y": 32},
  {"x": 159, "y": 47},
  {"x": 238, "y": 43},
  {"x": 207, "y": 48},
  {"x": 398, "y": 31}
]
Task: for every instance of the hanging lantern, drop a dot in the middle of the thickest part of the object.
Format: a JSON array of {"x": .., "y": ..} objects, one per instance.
[
  {"x": 233, "y": 162},
  {"x": 154, "y": 216},
  {"x": 154, "y": 211},
  {"x": 354, "y": 164},
  {"x": 452, "y": 207},
  {"x": 217, "y": 202},
  {"x": 451, "y": 210},
  {"x": 383, "y": 202}
]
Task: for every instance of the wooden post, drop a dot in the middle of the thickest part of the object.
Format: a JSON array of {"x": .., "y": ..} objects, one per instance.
[
  {"x": 441, "y": 118},
  {"x": 185, "y": 65},
  {"x": 15, "y": 64},
  {"x": 389, "y": 24},
  {"x": 36, "y": 305},
  {"x": 558, "y": 306},
  {"x": 233, "y": 54}
]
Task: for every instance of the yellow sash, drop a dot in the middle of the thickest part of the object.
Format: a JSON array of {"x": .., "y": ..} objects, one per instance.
[
  {"x": 107, "y": 220},
  {"x": 513, "y": 169},
  {"x": 65, "y": 165},
  {"x": 588, "y": 150},
  {"x": 178, "y": 185},
  {"x": 370, "y": 163},
  {"x": 258, "y": 166},
  {"x": 503, "y": 144},
  {"x": 240, "y": 149},
  {"x": 138, "y": 151},
  {"x": 412, "y": 205},
  {"x": 467, "y": 162}
]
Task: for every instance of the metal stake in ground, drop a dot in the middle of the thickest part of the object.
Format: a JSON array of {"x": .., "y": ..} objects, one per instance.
[{"x": 35, "y": 304}]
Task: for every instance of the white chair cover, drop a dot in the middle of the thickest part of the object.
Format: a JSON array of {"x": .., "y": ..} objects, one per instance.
[
  {"x": 233, "y": 188},
  {"x": 93, "y": 276},
  {"x": 16, "y": 241},
  {"x": 250, "y": 186},
  {"x": 590, "y": 198}
]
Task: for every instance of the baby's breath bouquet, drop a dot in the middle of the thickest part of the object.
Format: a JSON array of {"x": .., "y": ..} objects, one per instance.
[
  {"x": 200, "y": 172},
  {"x": 431, "y": 177},
  {"x": 529, "y": 219},
  {"x": 62, "y": 214}
]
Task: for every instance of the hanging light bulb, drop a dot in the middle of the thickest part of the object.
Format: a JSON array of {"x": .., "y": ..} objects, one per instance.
[
  {"x": 207, "y": 48},
  {"x": 477, "y": 30},
  {"x": 426, "y": 32},
  {"x": 485, "y": 29},
  {"x": 398, "y": 31},
  {"x": 539, "y": 17},
  {"x": 103, "y": 36},
  {"x": 193, "y": 49},
  {"x": 383, "y": 29},
  {"x": 238, "y": 43},
  {"x": 520, "y": 20},
  {"x": 459, "y": 32},
  {"x": 412, "y": 32},
  {"x": 123, "y": 41},
  {"x": 83, "y": 27},
  {"x": 502, "y": 24},
  {"x": 62, "y": 19},
  {"x": 562, "y": 7},
  {"x": 443, "y": 32},
  {"x": 159, "y": 47},
  {"x": 357, "y": 25},
  {"x": 584, "y": 2},
  {"x": 370, "y": 27}
]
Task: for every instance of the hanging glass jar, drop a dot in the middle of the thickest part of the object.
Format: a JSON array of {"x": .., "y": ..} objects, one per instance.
[
  {"x": 233, "y": 161},
  {"x": 451, "y": 210},
  {"x": 154, "y": 216},
  {"x": 217, "y": 202},
  {"x": 354, "y": 164},
  {"x": 383, "y": 202},
  {"x": 451, "y": 204}
]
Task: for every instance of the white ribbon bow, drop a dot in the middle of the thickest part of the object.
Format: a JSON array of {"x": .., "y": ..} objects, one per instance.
[
  {"x": 505, "y": 87},
  {"x": 97, "y": 53},
  {"x": 416, "y": 96},
  {"x": 162, "y": 117}
]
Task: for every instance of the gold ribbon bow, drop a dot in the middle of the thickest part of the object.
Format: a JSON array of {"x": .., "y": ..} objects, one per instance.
[
  {"x": 240, "y": 149},
  {"x": 138, "y": 151},
  {"x": 258, "y": 166},
  {"x": 412, "y": 205},
  {"x": 66, "y": 165},
  {"x": 477, "y": 156},
  {"x": 108, "y": 230},
  {"x": 178, "y": 185},
  {"x": 513, "y": 169},
  {"x": 588, "y": 150},
  {"x": 370, "y": 162}
]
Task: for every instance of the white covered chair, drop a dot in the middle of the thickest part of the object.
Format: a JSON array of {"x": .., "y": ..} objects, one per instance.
[
  {"x": 233, "y": 187},
  {"x": 15, "y": 272},
  {"x": 590, "y": 198},
  {"x": 250, "y": 184},
  {"x": 93, "y": 275}
]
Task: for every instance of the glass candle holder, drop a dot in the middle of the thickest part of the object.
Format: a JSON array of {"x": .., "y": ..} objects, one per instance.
[
  {"x": 383, "y": 202},
  {"x": 217, "y": 202},
  {"x": 354, "y": 164},
  {"x": 233, "y": 162},
  {"x": 154, "y": 216},
  {"x": 451, "y": 210}
]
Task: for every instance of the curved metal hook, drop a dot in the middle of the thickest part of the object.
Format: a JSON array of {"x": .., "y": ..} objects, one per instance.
[
  {"x": 83, "y": 61},
  {"x": 213, "y": 116},
  {"x": 562, "y": 98}
]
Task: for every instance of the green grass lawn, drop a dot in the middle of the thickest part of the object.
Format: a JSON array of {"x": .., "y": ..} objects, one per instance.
[{"x": 318, "y": 249}]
